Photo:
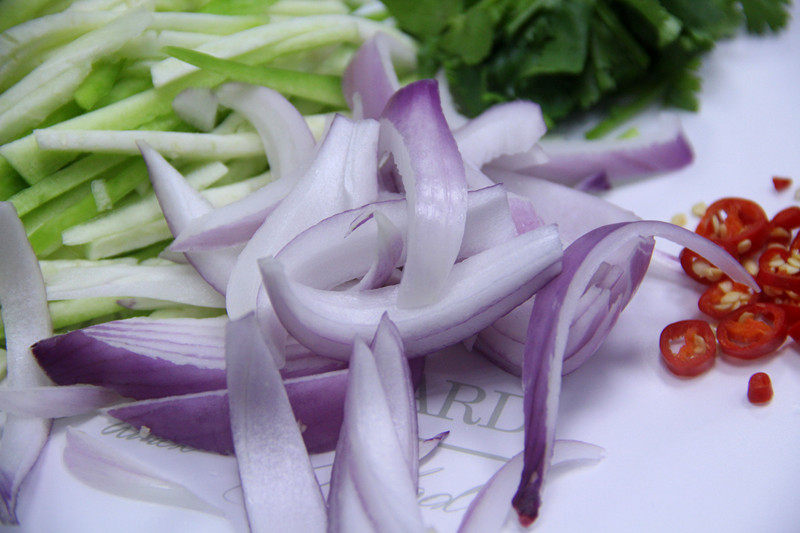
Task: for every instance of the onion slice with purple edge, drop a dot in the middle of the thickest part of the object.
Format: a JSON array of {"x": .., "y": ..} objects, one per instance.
[
  {"x": 613, "y": 258},
  {"x": 26, "y": 320},
  {"x": 181, "y": 204},
  {"x": 388, "y": 254},
  {"x": 281, "y": 492},
  {"x": 56, "y": 402},
  {"x": 479, "y": 290},
  {"x": 109, "y": 470},
  {"x": 503, "y": 129},
  {"x": 428, "y": 446},
  {"x": 490, "y": 509},
  {"x": 369, "y": 80},
  {"x": 371, "y": 486},
  {"x": 661, "y": 146},
  {"x": 289, "y": 146},
  {"x": 348, "y": 154},
  {"x": 395, "y": 376},
  {"x": 415, "y": 132}
]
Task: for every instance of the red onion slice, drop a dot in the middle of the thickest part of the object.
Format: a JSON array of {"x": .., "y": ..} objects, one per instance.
[
  {"x": 370, "y": 483},
  {"x": 369, "y": 80},
  {"x": 181, "y": 204},
  {"x": 660, "y": 147},
  {"x": 395, "y": 376},
  {"x": 106, "y": 469},
  {"x": 280, "y": 490},
  {"x": 428, "y": 446},
  {"x": 613, "y": 258},
  {"x": 289, "y": 146},
  {"x": 479, "y": 290},
  {"x": 388, "y": 254},
  {"x": 414, "y": 130},
  {"x": 503, "y": 129},
  {"x": 26, "y": 320},
  {"x": 56, "y": 402},
  {"x": 347, "y": 154}
]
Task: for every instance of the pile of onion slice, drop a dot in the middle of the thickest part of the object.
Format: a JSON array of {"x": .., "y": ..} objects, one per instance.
[{"x": 392, "y": 237}]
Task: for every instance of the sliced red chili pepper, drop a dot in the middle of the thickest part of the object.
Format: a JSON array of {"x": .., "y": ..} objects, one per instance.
[
  {"x": 780, "y": 183},
  {"x": 725, "y": 297},
  {"x": 779, "y": 268},
  {"x": 782, "y": 225},
  {"x": 736, "y": 224},
  {"x": 698, "y": 268},
  {"x": 696, "y": 347},
  {"x": 759, "y": 388},
  {"x": 792, "y": 310},
  {"x": 752, "y": 331}
]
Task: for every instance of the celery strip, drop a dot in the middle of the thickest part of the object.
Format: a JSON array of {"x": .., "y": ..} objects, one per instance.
[
  {"x": 323, "y": 88},
  {"x": 139, "y": 212},
  {"x": 3, "y": 357},
  {"x": 101, "y": 197},
  {"x": 207, "y": 22},
  {"x": 186, "y": 312},
  {"x": 258, "y": 39},
  {"x": 125, "y": 88},
  {"x": 40, "y": 103},
  {"x": 10, "y": 181},
  {"x": 169, "y": 143},
  {"x": 291, "y": 8},
  {"x": 83, "y": 50},
  {"x": 97, "y": 84},
  {"x": 62, "y": 181},
  {"x": 149, "y": 44},
  {"x": 42, "y": 214},
  {"x": 51, "y": 268},
  {"x": 67, "y": 313},
  {"x": 47, "y": 239},
  {"x": 18, "y": 11},
  {"x": 126, "y": 241}
]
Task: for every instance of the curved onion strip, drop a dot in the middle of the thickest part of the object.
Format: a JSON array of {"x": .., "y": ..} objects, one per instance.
[
  {"x": 589, "y": 261},
  {"x": 106, "y": 469},
  {"x": 502, "y": 129},
  {"x": 661, "y": 148},
  {"x": 348, "y": 148},
  {"x": 479, "y": 290},
  {"x": 370, "y": 80},
  {"x": 414, "y": 130},
  {"x": 387, "y": 255},
  {"x": 289, "y": 146},
  {"x": 173, "y": 282},
  {"x": 26, "y": 320},
  {"x": 280, "y": 490},
  {"x": 56, "y": 402},
  {"x": 428, "y": 446},
  {"x": 181, "y": 204},
  {"x": 489, "y": 510},
  {"x": 370, "y": 455},
  {"x": 395, "y": 376}
]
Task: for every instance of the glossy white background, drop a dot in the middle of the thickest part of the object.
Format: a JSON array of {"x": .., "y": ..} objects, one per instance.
[{"x": 682, "y": 455}]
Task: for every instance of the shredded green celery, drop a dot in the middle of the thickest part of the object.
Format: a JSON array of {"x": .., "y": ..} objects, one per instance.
[
  {"x": 97, "y": 84},
  {"x": 323, "y": 88}
]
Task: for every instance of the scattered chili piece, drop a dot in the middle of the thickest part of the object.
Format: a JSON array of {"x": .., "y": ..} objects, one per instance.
[
  {"x": 779, "y": 268},
  {"x": 696, "y": 347},
  {"x": 752, "y": 331},
  {"x": 698, "y": 268},
  {"x": 781, "y": 183},
  {"x": 782, "y": 225},
  {"x": 736, "y": 224},
  {"x": 759, "y": 389},
  {"x": 725, "y": 297}
]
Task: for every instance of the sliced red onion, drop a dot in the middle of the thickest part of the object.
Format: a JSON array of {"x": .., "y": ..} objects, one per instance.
[
  {"x": 106, "y": 469},
  {"x": 658, "y": 148},
  {"x": 414, "y": 131},
  {"x": 370, "y": 484},
  {"x": 173, "y": 282},
  {"x": 395, "y": 376},
  {"x": 479, "y": 290},
  {"x": 139, "y": 357},
  {"x": 613, "y": 258},
  {"x": 348, "y": 154},
  {"x": 181, "y": 204},
  {"x": 281, "y": 492},
  {"x": 289, "y": 146},
  {"x": 370, "y": 80},
  {"x": 490, "y": 510},
  {"x": 428, "y": 446},
  {"x": 387, "y": 255},
  {"x": 502, "y": 129},
  {"x": 56, "y": 402},
  {"x": 26, "y": 320}
]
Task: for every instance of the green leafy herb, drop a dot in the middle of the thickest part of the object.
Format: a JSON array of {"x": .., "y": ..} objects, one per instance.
[{"x": 573, "y": 55}]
